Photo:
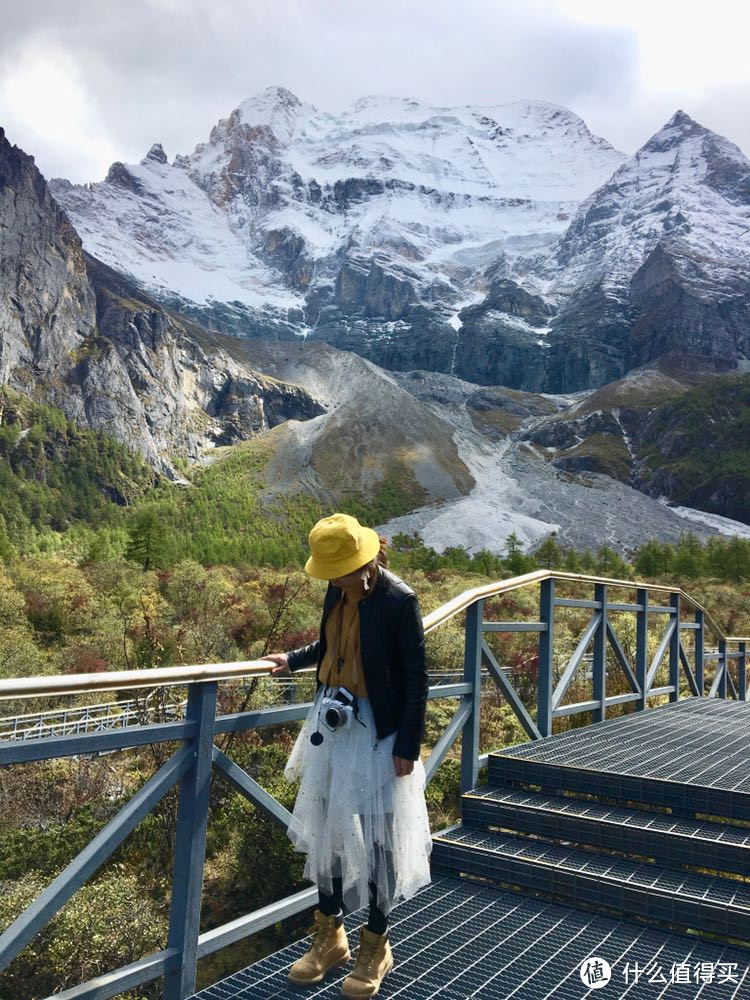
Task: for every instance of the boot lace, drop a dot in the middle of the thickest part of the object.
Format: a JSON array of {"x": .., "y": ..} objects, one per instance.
[
  {"x": 322, "y": 935},
  {"x": 367, "y": 953}
]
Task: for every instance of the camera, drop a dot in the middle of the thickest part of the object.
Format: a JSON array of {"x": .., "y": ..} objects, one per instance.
[{"x": 337, "y": 711}]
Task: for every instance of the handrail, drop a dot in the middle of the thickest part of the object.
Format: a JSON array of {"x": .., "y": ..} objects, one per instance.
[
  {"x": 198, "y": 756},
  {"x": 123, "y": 680},
  {"x": 465, "y": 599}
]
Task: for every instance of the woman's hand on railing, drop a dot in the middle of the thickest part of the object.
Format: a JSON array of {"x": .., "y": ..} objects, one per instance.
[{"x": 282, "y": 664}]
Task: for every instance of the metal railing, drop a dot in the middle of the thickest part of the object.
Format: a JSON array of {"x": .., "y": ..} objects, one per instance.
[
  {"x": 198, "y": 757},
  {"x": 83, "y": 719}
]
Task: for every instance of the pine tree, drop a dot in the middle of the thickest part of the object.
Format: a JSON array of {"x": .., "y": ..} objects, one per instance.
[
  {"x": 146, "y": 539},
  {"x": 689, "y": 556},
  {"x": 549, "y": 553},
  {"x": 515, "y": 559}
]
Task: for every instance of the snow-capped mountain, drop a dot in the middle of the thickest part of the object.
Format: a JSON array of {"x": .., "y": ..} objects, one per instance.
[
  {"x": 655, "y": 261},
  {"x": 370, "y": 228},
  {"x": 80, "y": 336},
  {"x": 507, "y": 245},
  {"x": 687, "y": 188}
]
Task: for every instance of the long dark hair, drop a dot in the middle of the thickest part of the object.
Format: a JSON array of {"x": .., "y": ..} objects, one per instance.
[{"x": 382, "y": 556}]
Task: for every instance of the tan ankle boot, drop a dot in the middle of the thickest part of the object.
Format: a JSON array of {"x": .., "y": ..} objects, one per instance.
[
  {"x": 374, "y": 962},
  {"x": 329, "y": 948}
]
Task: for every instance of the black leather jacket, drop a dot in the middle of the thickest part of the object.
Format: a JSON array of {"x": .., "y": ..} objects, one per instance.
[{"x": 393, "y": 659}]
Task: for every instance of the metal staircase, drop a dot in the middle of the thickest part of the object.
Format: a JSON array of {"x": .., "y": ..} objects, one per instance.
[{"x": 581, "y": 847}]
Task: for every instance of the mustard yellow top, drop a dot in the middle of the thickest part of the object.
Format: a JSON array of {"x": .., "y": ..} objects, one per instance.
[{"x": 341, "y": 665}]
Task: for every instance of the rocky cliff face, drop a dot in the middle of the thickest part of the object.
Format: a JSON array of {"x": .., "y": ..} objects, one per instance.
[
  {"x": 656, "y": 261},
  {"x": 507, "y": 245},
  {"x": 47, "y": 306},
  {"x": 662, "y": 254},
  {"x": 369, "y": 229},
  {"x": 676, "y": 429},
  {"x": 79, "y": 336}
]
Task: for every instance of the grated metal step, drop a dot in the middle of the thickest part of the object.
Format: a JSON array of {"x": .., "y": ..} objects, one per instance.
[
  {"x": 577, "y": 877},
  {"x": 457, "y": 940},
  {"x": 672, "y": 841},
  {"x": 690, "y": 756}
]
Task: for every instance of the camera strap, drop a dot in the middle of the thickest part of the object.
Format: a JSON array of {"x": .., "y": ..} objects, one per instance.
[{"x": 340, "y": 658}]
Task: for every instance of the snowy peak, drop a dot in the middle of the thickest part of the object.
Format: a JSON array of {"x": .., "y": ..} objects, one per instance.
[
  {"x": 679, "y": 127},
  {"x": 385, "y": 228},
  {"x": 275, "y": 107},
  {"x": 686, "y": 183},
  {"x": 156, "y": 154},
  {"x": 382, "y": 108},
  {"x": 431, "y": 194},
  {"x": 276, "y": 98},
  {"x": 696, "y": 154},
  {"x": 656, "y": 261}
]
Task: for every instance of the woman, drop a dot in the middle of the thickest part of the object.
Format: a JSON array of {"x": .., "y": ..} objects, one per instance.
[{"x": 360, "y": 813}]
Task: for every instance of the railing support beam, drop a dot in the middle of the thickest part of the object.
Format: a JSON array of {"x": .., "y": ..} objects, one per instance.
[
  {"x": 600, "y": 656},
  {"x": 574, "y": 662},
  {"x": 44, "y": 907},
  {"x": 501, "y": 679},
  {"x": 472, "y": 675},
  {"x": 700, "y": 636},
  {"x": 621, "y": 657},
  {"x": 742, "y": 669},
  {"x": 674, "y": 649},
  {"x": 449, "y": 737},
  {"x": 546, "y": 657},
  {"x": 190, "y": 845},
  {"x": 247, "y": 786},
  {"x": 723, "y": 668},
  {"x": 641, "y": 647}
]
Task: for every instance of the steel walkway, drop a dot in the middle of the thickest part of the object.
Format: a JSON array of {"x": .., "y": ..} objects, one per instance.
[{"x": 626, "y": 841}]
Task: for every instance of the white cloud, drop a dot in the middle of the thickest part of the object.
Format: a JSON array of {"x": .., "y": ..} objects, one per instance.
[
  {"x": 683, "y": 47},
  {"x": 48, "y": 112},
  {"x": 82, "y": 83}
]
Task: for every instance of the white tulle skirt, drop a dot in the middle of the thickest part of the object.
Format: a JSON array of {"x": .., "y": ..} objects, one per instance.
[{"x": 353, "y": 818}]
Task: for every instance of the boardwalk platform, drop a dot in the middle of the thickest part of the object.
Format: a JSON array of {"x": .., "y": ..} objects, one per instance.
[{"x": 626, "y": 841}]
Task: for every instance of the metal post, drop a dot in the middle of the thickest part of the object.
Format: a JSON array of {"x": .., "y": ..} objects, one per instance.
[
  {"x": 674, "y": 649},
  {"x": 472, "y": 674},
  {"x": 700, "y": 636},
  {"x": 722, "y": 664},
  {"x": 742, "y": 670},
  {"x": 190, "y": 849},
  {"x": 600, "y": 656},
  {"x": 641, "y": 646},
  {"x": 546, "y": 657}
]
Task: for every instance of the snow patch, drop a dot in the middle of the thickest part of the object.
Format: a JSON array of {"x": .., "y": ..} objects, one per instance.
[{"x": 723, "y": 525}]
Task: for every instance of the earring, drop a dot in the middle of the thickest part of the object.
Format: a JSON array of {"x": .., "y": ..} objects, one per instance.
[{"x": 366, "y": 578}]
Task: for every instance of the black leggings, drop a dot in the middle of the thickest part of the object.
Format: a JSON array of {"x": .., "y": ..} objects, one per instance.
[{"x": 377, "y": 921}]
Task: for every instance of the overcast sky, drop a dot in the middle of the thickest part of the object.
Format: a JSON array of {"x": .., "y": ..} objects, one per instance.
[{"x": 87, "y": 82}]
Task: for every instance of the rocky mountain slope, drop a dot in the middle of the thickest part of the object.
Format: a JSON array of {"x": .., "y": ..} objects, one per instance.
[
  {"x": 580, "y": 487},
  {"x": 79, "y": 336},
  {"x": 673, "y": 430},
  {"x": 376, "y": 440},
  {"x": 507, "y": 245},
  {"x": 471, "y": 462},
  {"x": 655, "y": 261},
  {"x": 369, "y": 229}
]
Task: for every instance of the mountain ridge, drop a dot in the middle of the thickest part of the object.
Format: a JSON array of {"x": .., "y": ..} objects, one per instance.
[
  {"x": 367, "y": 231},
  {"x": 81, "y": 337},
  {"x": 393, "y": 227}
]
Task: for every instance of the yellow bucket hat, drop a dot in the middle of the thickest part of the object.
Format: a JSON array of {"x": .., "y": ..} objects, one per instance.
[{"x": 340, "y": 544}]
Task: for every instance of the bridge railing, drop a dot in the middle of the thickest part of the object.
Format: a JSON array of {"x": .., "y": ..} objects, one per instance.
[{"x": 662, "y": 617}]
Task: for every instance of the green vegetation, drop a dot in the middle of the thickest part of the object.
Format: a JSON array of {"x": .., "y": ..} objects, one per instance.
[
  {"x": 54, "y": 474},
  {"x": 82, "y": 494},
  {"x": 101, "y": 570},
  {"x": 603, "y": 453},
  {"x": 697, "y": 447}
]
